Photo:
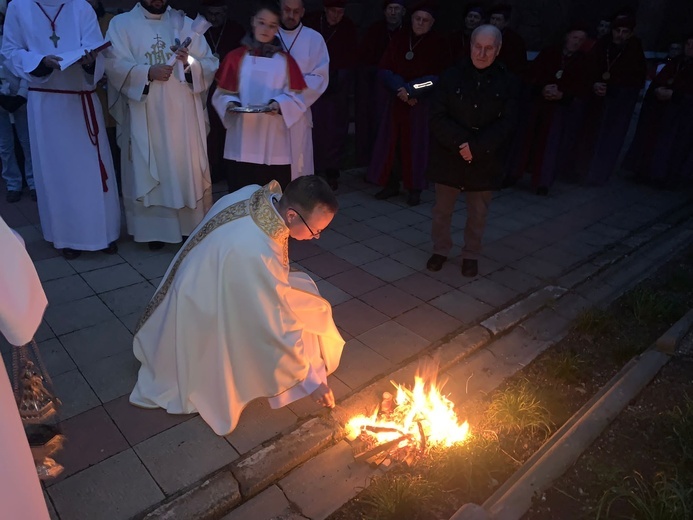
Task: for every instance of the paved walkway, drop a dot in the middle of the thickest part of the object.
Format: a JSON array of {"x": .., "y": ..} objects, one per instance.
[{"x": 120, "y": 461}]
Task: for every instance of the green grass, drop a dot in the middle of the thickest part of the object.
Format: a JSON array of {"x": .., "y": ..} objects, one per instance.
[
  {"x": 393, "y": 497},
  {"x": 681, "y": 421},
  {"x": 517, "y": 409},
  {"x": 663, "y": 499},
  {"x": 593, "y": 322},
  {"x": 650, "y": 307},
  {"x": 566, "y": 366}
]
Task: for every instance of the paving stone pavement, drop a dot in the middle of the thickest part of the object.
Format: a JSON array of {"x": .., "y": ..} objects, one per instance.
[{"x": 121, "y": 461}]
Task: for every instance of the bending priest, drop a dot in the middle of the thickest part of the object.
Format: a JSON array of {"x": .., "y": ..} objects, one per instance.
[
  {"x": 21, "y": 310},
  {"x": 229, "y": 322}
]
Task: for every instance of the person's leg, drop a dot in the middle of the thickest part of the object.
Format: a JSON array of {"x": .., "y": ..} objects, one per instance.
[
  {"x": 443, "y": 208},
  {"x": 21, "y": 125},
  {"x": 478, "y": 203},
  {"x": 10, "y": 168}
]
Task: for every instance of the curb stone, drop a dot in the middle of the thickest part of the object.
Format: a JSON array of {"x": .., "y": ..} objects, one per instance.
[{"x": 457, "y": 347}]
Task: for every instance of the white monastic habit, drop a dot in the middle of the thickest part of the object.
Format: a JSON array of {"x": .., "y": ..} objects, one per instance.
[
  {"x": 308, "y": 48},
  {"x": 73, "y": 169},
  {"x": 229, "y": 323},
  {"x": 162, "y": 125},
  {"x": 22, "y": 302},
  {"x": 255, "y": 80}
]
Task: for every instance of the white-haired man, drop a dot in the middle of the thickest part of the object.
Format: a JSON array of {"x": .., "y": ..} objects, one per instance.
[{"x": 473, "y": 115}]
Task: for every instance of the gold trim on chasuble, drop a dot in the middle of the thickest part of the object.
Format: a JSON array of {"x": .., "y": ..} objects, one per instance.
[{"x": 259, "y": 206}]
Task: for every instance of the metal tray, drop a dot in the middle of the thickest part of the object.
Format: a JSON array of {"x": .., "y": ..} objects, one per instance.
[{"x": 251, "y": 109}]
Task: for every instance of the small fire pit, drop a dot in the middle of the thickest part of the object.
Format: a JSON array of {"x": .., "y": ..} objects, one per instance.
[{"x": 406, "y": 425}]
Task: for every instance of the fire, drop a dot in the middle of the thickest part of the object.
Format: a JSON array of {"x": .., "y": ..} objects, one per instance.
[{"x": 422, "y": 414}]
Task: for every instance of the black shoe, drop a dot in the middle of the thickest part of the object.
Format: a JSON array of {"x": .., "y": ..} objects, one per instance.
[
  {"x": 435, "y": 263},
  {"x": 32, "y": 194},
  {"x": 112, "y": 249},
  {"x": 386, "y": 193},
  {"x": 470, "y": 268},
  {"x": 543, "y": 191},
  {"x": 414, "y": 198},
  {"x": 70, "y": 254},
  {"x": 156, "y": 245},
  {"x": 14, "y": 196}
]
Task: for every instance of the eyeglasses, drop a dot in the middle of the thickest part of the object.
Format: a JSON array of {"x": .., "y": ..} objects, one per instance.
[{"x": 312, "y": 233}]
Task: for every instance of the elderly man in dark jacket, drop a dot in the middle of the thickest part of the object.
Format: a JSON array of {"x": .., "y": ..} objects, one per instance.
[{"x": 473, "y": 114}]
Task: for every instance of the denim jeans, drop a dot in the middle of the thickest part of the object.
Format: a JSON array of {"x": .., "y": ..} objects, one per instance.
[{"x": 10, "y": 168}]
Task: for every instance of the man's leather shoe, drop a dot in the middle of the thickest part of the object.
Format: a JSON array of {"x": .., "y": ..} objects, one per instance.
[
  {"x": 32, "y": 194},
  {"x": 386, "y": 193},
  {"x": 14, "y": 196},
  {"x": 112, "y": 249},
  {"x": 435, "y": 263},
  {"x": 156, "y": 245},
  {"x": 71, "y": 254},
  {"x": 470, "y": 268}
]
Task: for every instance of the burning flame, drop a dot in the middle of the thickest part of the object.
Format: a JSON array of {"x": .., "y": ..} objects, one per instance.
[{"x": 422, "y": 409}]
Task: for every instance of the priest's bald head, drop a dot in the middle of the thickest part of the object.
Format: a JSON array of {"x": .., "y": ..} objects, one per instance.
[
  {"x": 307, "y": 206},
  {"x": 486, "y": 41},
  {"x": 155, "y": 6}
]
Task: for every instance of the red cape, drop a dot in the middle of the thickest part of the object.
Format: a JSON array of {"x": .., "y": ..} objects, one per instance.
[{"x": 228, "y": 75}]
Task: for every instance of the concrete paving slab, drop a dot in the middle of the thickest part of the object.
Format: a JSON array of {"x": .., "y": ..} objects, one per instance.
[
  {"x": 268, "y": 504},
  {"x": 356, "y": 317},
  {"x": 259, "y": 423},
  {"x": 184, "y": 454},
  {"x": 75, "y": 394},
  {"x": 55, "y": 357},
  {"x": 514, "y": 279},
  {"x": 356, "y": 254},
  {"x": 461, "y": 306},
  {"x": 94, "y": 260},
  {"x": 154, "y": 266},
  {"x": 422, "y": 286},
  {"x": 412, "y": 236},
  {"x": 358, "y": 231},
  {"x": 110, "y": 278},
  {"x": 308, "y": 406},
  {"x": 385, "y": 244},
  {"x": 77, "y": 315},
  {"x": 332, "y": 293},
  {"x": 390, "y": 300},
  {"x": 326, "y": 482},
  {"x": 329, "y": 241},
  {"x": 360, "y": 364},
  {"x": 490, "y": 292},
  {"x": 326, "y": 265},
  {"x": 428, "y": 322},
  {"x": 387, "y": 269},
  {"x": 53, "y": 268},
  {"x": 539, "y": 268},
  {"x": 412, "y": 257},
  {"x": 510, "y": 316},
  {"x": 113, "y": 376},
  {"x": 393, "y": 341},
  {"x": 116, "y": 489},
  {"x": 66, "y": 289},
  {"x": 128, "y": 300},
  {"x": 99, "y": 341},
  {"x": 355, "y": 281}
]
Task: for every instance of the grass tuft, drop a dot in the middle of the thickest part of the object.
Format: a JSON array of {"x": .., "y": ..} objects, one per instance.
[
  {"x": 566, "y": 366},
  {"x": 593, "y": 322},
  {"x": 650, "y": 307},
  {"x": 681, "y": 420},
  {"x": 664, "y": 499},
  {"x": 518, "y": 409},
  {"x": 393, "y": 497}
]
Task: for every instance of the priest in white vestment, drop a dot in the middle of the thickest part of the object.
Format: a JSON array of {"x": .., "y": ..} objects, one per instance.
[
  {"x": 22, "y": 302},
  {"x": 162, "y": 121},
  {"x": 308, "y": 48},
  {"x": 73, "y": 169},
  {"x": 229, "y": 322}
]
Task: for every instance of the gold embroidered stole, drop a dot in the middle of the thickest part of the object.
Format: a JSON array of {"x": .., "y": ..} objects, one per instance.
[{"x": 259, "y": 207}]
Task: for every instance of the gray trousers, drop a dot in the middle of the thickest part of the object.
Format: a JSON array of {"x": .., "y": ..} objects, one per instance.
[{"x": 478, "y": 203}]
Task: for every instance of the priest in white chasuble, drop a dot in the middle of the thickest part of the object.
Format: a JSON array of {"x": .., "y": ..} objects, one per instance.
[
  {"x": 22, "y": 302},
  {"x": 162, "y": 120},
  {"x": 73, "y": 169},
  {"x": 308, "y": 48},
  {"x": 230, "y": 322}
]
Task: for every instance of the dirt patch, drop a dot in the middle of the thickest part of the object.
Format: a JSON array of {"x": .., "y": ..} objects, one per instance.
[{"x": 515, "y": 420}]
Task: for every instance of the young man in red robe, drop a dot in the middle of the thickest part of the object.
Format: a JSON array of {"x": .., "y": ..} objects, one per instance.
[{"x": 331, "y": 110}]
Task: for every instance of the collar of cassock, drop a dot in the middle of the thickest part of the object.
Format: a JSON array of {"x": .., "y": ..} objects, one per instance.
[
  {"x": 264, "y": 50},
  {"x": 265, "y": 216}
]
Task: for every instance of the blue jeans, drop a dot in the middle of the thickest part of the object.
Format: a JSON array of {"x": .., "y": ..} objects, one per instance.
[{"x": 10, "y": 168}]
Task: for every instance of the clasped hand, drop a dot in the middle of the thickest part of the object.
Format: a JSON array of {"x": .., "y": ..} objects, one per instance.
[
  {"x": 403, "y": 96},
  {"x": 466, "y": 152},
  {"x": 160, "y": 72}
]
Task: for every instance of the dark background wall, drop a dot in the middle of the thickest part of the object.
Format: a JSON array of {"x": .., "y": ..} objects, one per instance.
[{"x": 539, "y": 21}]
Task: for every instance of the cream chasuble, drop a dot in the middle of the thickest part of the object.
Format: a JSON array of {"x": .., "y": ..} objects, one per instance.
[
  {"x": 161, "y": 133},
  {"x": 308, "y": 48},
  {"x": 229, "y": 323},
  {"x": 64, "y": 116},
  {"x": 22, "y": 302}
]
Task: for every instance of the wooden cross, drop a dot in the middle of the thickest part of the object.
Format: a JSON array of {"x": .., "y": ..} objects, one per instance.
[{"x": 54, "y": 37}]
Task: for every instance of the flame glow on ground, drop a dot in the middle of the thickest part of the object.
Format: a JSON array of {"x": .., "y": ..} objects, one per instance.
[{"x": 424, "y": 405}]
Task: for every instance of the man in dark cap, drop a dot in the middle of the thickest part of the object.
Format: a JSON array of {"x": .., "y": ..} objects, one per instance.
[
  {"x": 473, "y": 115},
  {"x": 514, "y": 51},
  {"x": 370, "y": 98},
  {"x": 474, "y": 16},
  {"x": 616, "y": 73},
  {"x": 224, "y": 36},
  {"x": 331, "y": 110},
  {"x": 661, "y": 150}
]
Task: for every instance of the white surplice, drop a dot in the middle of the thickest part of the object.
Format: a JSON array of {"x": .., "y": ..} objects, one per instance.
[
  {"x": 260, "y": 138},
  {"x": 22, "y": 302},
  {"x": 308, "y": 48},
  {"x": 75, "y": 211},
  {"x": 229, "y": 322},
  {"x": 162, "y": 135}
]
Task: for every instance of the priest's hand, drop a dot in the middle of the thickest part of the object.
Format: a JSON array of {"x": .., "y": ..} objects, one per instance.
[
  {"x": 466, "y": 152},
  {"x": 88, "y": 58},
  {"x": 412, "y": 102},
  {"x": 402, "y": 94},
  {"x": 324, "y": 396},
  {"x": 181, "y": 53},
  {"x": 274, "y": 108},
  {"x": 51, "y": 61},
  {"x": 663, "y": 93},
  {"x": 160, "y": 72}
]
